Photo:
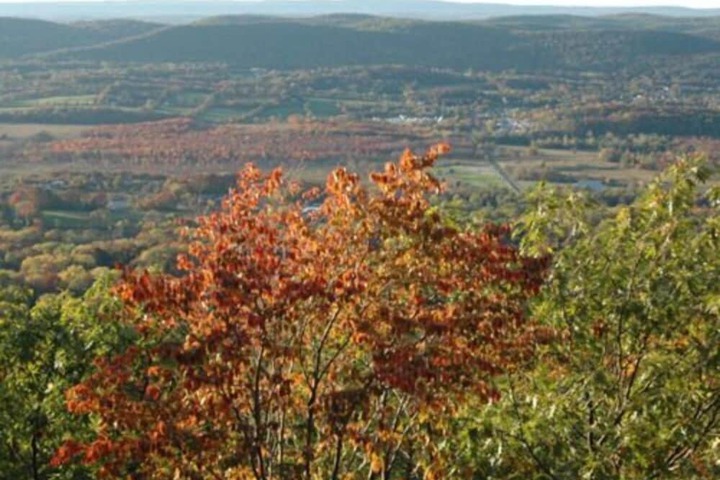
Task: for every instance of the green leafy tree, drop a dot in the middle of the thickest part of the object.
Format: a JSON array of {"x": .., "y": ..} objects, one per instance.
[
  {"x": 632, "y": 390},
  {"x": 46, "y": 346}
]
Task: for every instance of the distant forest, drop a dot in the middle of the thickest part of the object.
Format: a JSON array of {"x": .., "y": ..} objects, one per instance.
[{"x": 525, "y": 44}]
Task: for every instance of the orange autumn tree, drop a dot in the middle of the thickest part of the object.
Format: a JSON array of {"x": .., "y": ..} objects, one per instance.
[{"x": 310, "y": 343}]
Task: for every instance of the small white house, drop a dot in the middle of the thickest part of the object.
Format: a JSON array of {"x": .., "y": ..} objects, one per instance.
[{"x": 118, "y": 202}]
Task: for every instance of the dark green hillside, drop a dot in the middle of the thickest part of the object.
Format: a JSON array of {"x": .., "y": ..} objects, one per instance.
[
  {"x": 283, "y": 44},
  {"x": 533, "y": 23},
  {"x": 109, "y": 30},
  {"x": 703, "y": 26},
  {"x": 620, "y": 49},
  {"x": 20, "y": 37},
  {"x": 521, "y": 43},
  {"x": 526, "y": 43}
]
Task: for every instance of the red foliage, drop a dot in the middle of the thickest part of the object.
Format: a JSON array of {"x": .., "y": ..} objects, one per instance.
[
  {"x": 309, "y": 342},
  {"x": 179, "y": 142}
]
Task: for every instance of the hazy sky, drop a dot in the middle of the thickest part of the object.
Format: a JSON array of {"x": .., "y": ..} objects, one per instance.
[
  {"x": 609, "y": 3},
  {"x": 584, "y": 3}
]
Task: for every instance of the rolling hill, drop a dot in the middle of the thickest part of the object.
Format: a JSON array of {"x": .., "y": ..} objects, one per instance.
[
  {"x": 115, "y": 29},
  {"x": 185, "y": 10},
  {"x": 520, "y": 43},
  {"x": 703, "y": 26},
  {"x": 523, "y": 43},
  {"x": 20, "y": 37}
]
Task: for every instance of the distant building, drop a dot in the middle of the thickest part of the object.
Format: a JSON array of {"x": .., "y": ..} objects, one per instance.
[
  {"x": 404, "y": 120},
  {"x": 118, "y": 202}
]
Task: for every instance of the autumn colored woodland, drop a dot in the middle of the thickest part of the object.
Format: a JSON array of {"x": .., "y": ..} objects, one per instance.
[
  {"x": 359, "y": 331},
  {"x": 299, "y": 240},
  {"x": 311, "y": 345}
]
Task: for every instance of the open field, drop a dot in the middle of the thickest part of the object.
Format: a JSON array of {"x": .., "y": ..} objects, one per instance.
[
  {"x": 27, "y": 130},
  {"x": 64, "y": 219},
  {"x": 60, "y": 101},
  {"x": 468, "y": 173},
  {"x": 577, "y": 166}
]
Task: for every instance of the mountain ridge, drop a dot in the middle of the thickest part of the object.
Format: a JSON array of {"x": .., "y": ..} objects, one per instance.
[
  {"x": 523, "y": 43},
  {"x": 331, "y": 41},
  {"x": 24, "y": 36},
  {"x": 184, "y": 11}
]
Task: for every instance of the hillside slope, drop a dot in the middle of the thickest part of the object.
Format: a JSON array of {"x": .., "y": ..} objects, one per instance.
[
  {"x": 356, "y": 40},
  {"x": 703, "y": 26},
  {"x": 20, "y": 37},
  {"x": 109, "y": 30}
]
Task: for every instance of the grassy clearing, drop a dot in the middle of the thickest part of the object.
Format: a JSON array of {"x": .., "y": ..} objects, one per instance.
[
  {"x": 282, "y": 111},
  {"x": 74, "y": 101},
  {"x": 65, "y": 219},
  {"x": 222, "y": 114},
  {"x": 19, "y": 131},
  {"x": 564, "y": 158},
  {"x": 323, "y": 108},
  {"x": 86, "y": 220},
  {"x": 576, "y": 165},
  {"x": 187, "y": 99},
  {"x": 13, "y": 109},
  {"x": 175, "y": 111},
  {"x": 476, "y": 174}
]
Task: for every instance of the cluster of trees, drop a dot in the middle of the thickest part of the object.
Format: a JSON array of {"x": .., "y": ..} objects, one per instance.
[
  {"x": 65, "y": 231},
  {"x": 628, "y": 116},
  {"x": 369, "y": 113},
  {"x": 46, "y": 346},
  {"x": 353, "y": 332},
  {"x": 51, "y": 260},
  {"x": 361, "y": 332},
  {"x": 630, "y": 391},
  {"x": 182, "y": 143},
  {"x": 648, "y": 100}
]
